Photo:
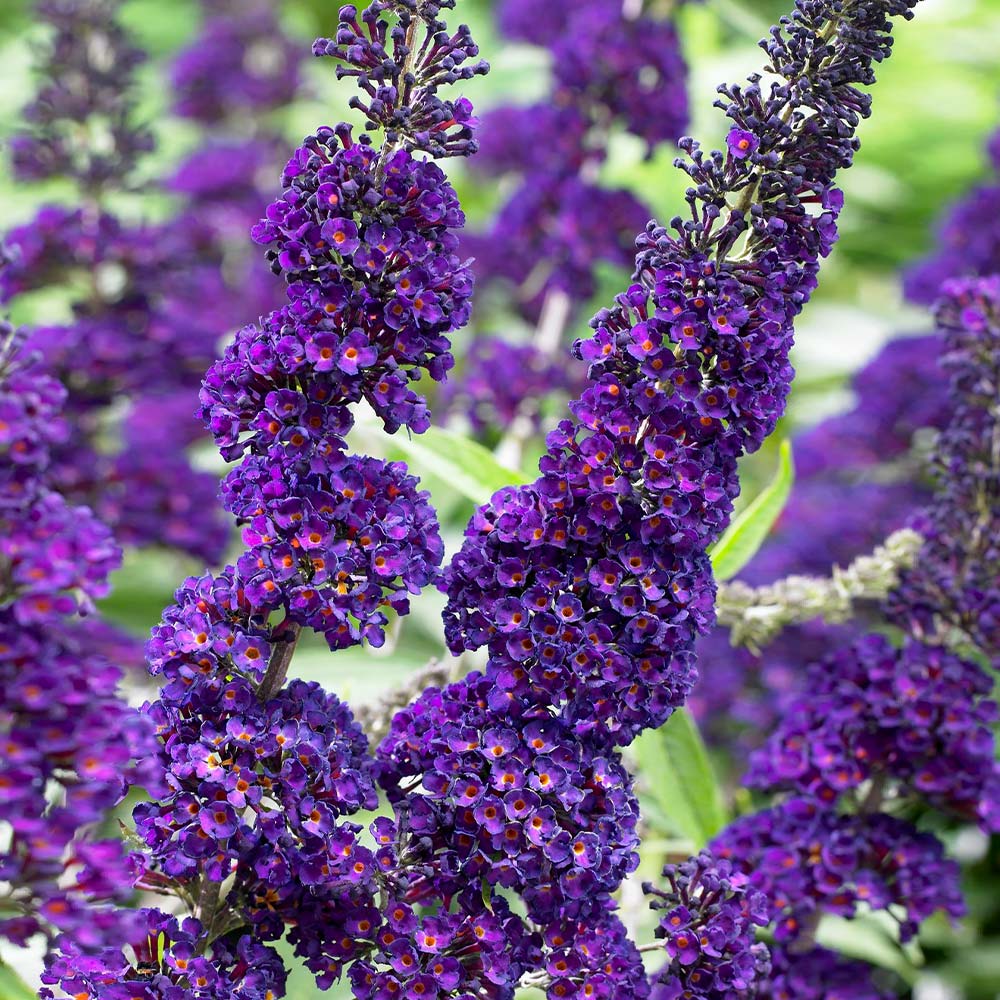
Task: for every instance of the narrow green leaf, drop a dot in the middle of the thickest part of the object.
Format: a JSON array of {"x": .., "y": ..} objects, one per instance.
[
  {"x": 464, "y": 464},
  {"x": 13, "y": 987},
  {"x": 678, "y": 774},
  {"x": 747, "y": 532},
  {"x": 868, "y": 939}
]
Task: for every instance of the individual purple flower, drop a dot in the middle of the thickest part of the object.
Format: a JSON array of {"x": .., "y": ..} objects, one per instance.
[{"x": 741, "y": 143}]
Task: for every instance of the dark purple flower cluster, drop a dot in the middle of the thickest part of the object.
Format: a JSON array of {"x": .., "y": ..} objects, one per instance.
[
  {"x": 688, "y": 370},
  {"x": 808, "y": 860},
  {"x": 87, "y": 76},
  {"x": 56, "y": 559},
  {"x": 399, "y": 73},
  {"x": 260, "y": 775},
  {"x": 819, "y": 974},
  {"x": 65, "y": 732},
  {"x": 954, "y": 584},
  {"x": 146, "y": 330},
  {"x": 916, "y": 717},
  {"x": 588, "y": 586},
  {"x": 148, "y": 302},
  {"x": 509, "y": 798},
  {"x": 126, "y": 331},
  {"x": 376, "y": 285},
  {"x": 707, "y": 926},
  {"x": 334, "y": 549},
  {"x": 438, "y": 956},
  {"x": 898, "y": 393},
  {"x": 592, "y": 959},
  {"x": 256, "y": 792},
  {"x": 70, "y": 744},
  {"x": 169, "y": 964}
]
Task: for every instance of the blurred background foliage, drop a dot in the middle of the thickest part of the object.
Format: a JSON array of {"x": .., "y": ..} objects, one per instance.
[{"x": 936, "y": 102}]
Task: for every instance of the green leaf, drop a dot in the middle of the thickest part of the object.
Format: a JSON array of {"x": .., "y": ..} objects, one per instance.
[
  {"x": 868, "y": 938},
  {"x": 463, "y": 464},
  {"x": 13, "y": 987},
  {"x": 678, "y": 775},
  {"x": 747, "y": 532}
]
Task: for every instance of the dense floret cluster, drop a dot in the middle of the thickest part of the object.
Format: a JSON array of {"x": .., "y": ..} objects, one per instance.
[
  {"x": 70, "y": 743},
  {"x": 707, "y": 922},
  {"x": 954, "y": 584},
  {"x": 808, "y": 860},
  {"x": 509, "y": 798},
  {"x": 916, "y": 717},
  {"x": 169, "y": 966}
]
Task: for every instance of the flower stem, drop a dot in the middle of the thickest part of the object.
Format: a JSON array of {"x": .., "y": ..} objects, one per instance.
[{"x": 285, "y": 638}]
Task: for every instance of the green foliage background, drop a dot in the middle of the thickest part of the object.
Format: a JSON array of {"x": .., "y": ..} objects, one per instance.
[{"x": 935, "y": 104}]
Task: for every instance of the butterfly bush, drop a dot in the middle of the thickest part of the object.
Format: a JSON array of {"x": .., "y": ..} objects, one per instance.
[
  {"x": 71, "y": 745},
  {"x": 146, "y": 299},
  {"x": 513, "y": 818},
  {"x": 261, "y": 773},
  {"x": 879, "y": 726}
]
